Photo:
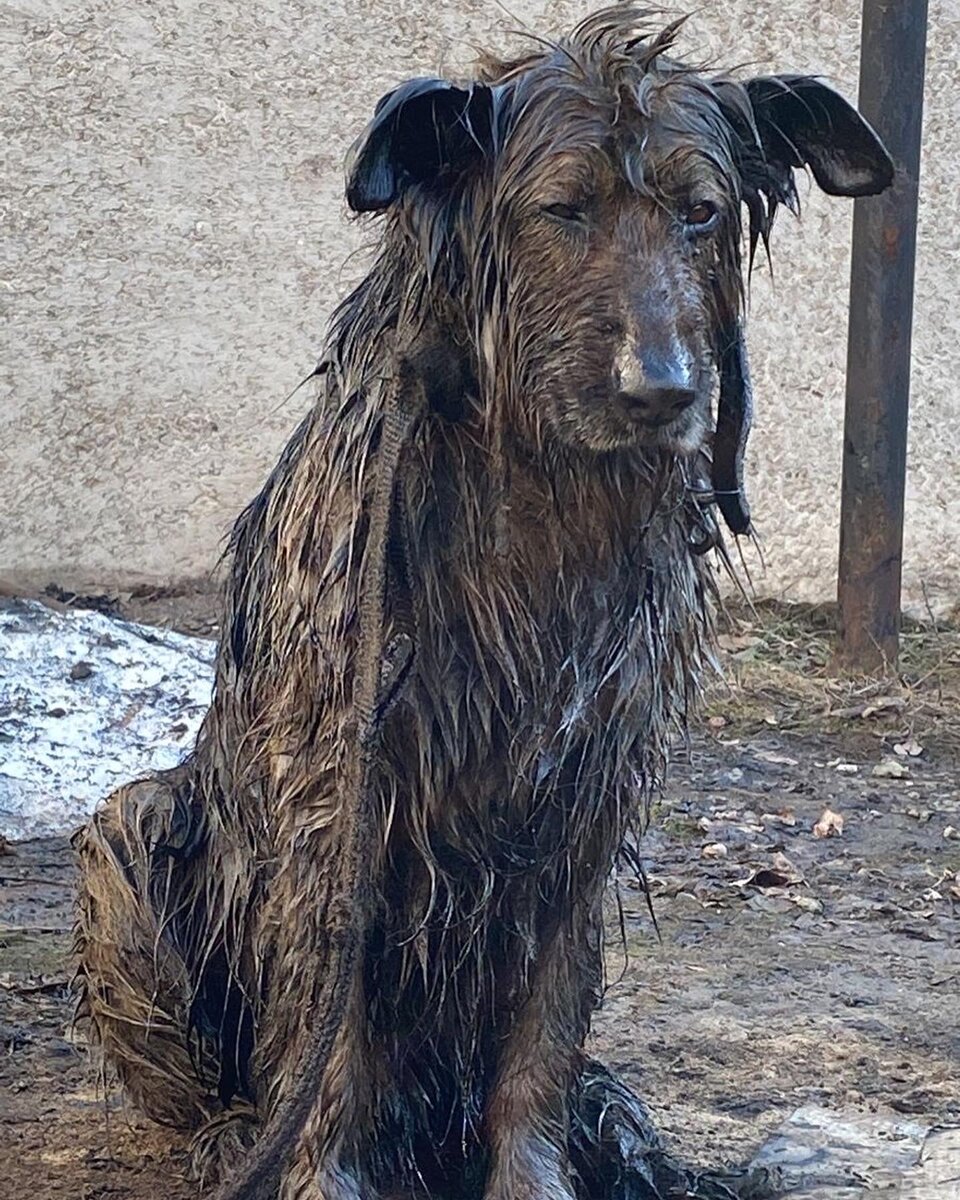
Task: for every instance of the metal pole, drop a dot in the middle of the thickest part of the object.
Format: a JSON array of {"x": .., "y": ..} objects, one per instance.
[{"x": 893, "y": 42}]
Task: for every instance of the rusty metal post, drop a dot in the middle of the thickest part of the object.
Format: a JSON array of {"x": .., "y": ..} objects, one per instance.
[{"x": 892, "y": 51}]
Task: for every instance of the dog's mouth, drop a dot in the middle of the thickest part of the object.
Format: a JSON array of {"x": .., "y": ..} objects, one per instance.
[
  {"x": 601, "y": 419},
  {"x": 655, "y": 424},
  {"x": 679, "y": 429}
]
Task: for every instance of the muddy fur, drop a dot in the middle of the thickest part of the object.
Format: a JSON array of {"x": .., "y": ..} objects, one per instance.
[{"x": 535, "y": 224}]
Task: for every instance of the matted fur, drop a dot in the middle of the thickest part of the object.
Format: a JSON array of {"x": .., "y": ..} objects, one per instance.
[{"x": 561, "y": 621}]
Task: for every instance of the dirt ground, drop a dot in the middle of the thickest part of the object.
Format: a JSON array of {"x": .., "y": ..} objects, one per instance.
[{"x": 789, "y": 968}]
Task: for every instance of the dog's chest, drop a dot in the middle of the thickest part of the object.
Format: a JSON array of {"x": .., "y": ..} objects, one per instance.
[{"x": 533, "y": 633}]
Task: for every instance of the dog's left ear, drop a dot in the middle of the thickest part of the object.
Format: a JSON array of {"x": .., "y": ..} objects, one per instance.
[
  {"x": 781, "y": 123},
  {"x": 802, "y": 122}
]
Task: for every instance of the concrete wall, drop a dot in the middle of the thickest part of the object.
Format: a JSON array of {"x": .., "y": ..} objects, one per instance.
[{"x": 175, "y": 239}]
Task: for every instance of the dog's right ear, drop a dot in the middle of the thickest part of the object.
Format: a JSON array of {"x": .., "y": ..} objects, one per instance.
[{"x": 426, "y": 132}]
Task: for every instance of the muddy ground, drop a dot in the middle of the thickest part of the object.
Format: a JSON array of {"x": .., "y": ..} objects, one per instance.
[{"x": 789, "y": 968}]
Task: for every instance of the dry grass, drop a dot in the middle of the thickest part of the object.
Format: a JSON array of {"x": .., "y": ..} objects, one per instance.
[{"x": 778, "y": 667}]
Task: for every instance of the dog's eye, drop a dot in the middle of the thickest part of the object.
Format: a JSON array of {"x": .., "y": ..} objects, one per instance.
[
  {"x": 565, "y": 212},
  {"x": 701, "y": 217}
]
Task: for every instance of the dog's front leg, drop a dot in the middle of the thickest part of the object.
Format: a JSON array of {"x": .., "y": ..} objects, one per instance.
[
  {"x": 327, "y": 1163},
  {"x": 527, "y": 1116}
]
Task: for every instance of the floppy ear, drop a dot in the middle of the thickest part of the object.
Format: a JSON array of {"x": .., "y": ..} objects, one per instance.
[
  {"x": 802, "y": 122},
  {"x": 425, "y": 132},
  {"x": 780, "y": 123},
  {"x": 783, "y": 122}
]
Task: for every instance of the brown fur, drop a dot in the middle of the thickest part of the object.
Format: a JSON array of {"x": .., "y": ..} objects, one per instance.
[{"x": 560, "y": 620}]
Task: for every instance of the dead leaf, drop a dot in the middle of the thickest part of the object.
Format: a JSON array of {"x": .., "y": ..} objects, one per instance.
[
  {"x": 908, "y": 749},
  {"x": 829, "y": 825},
  {"x": 714, "y": 850},
  {"x": 6, "y": 850},
  {"x": 786, "y": 816},
  {"x": 919, "y": 814},
  {"x": 767, "y": 879},
  {"x": 870, "y": 708},
  {"x": 808, "y": 903},
  {"x": 666, "y": 885},
  {"x": 780, "y": 874},
  {"x": 782, "y": 863},
  {"x": 716, "y": 722},
  {"x": 734, "y": 642},
  {"x": 846, "y": 768},
  {"x": 883, "y": 704},
  {"x": 891, "y": 768},
  {"x": 781, "y": 760}
]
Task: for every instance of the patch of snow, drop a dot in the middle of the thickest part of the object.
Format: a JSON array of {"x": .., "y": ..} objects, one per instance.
[
  {"x": 88, "y": 703},
  {"x": 826, "y": 1154}
]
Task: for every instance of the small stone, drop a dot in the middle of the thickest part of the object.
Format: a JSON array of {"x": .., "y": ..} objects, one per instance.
[
  {"x": 952, "y": 834},
  {"x": 60, "y": 1048},
  {"x": 714, "y": 850},
  {"x": 891, "y": 768},
  {"x": 81, "y": 670}
]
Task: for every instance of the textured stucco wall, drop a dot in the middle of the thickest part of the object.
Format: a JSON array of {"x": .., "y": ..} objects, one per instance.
[{"x": 174, "y": 239}]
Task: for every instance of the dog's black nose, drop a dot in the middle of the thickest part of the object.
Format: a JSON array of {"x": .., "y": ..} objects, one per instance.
[{"x": 657, "y": 388}]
